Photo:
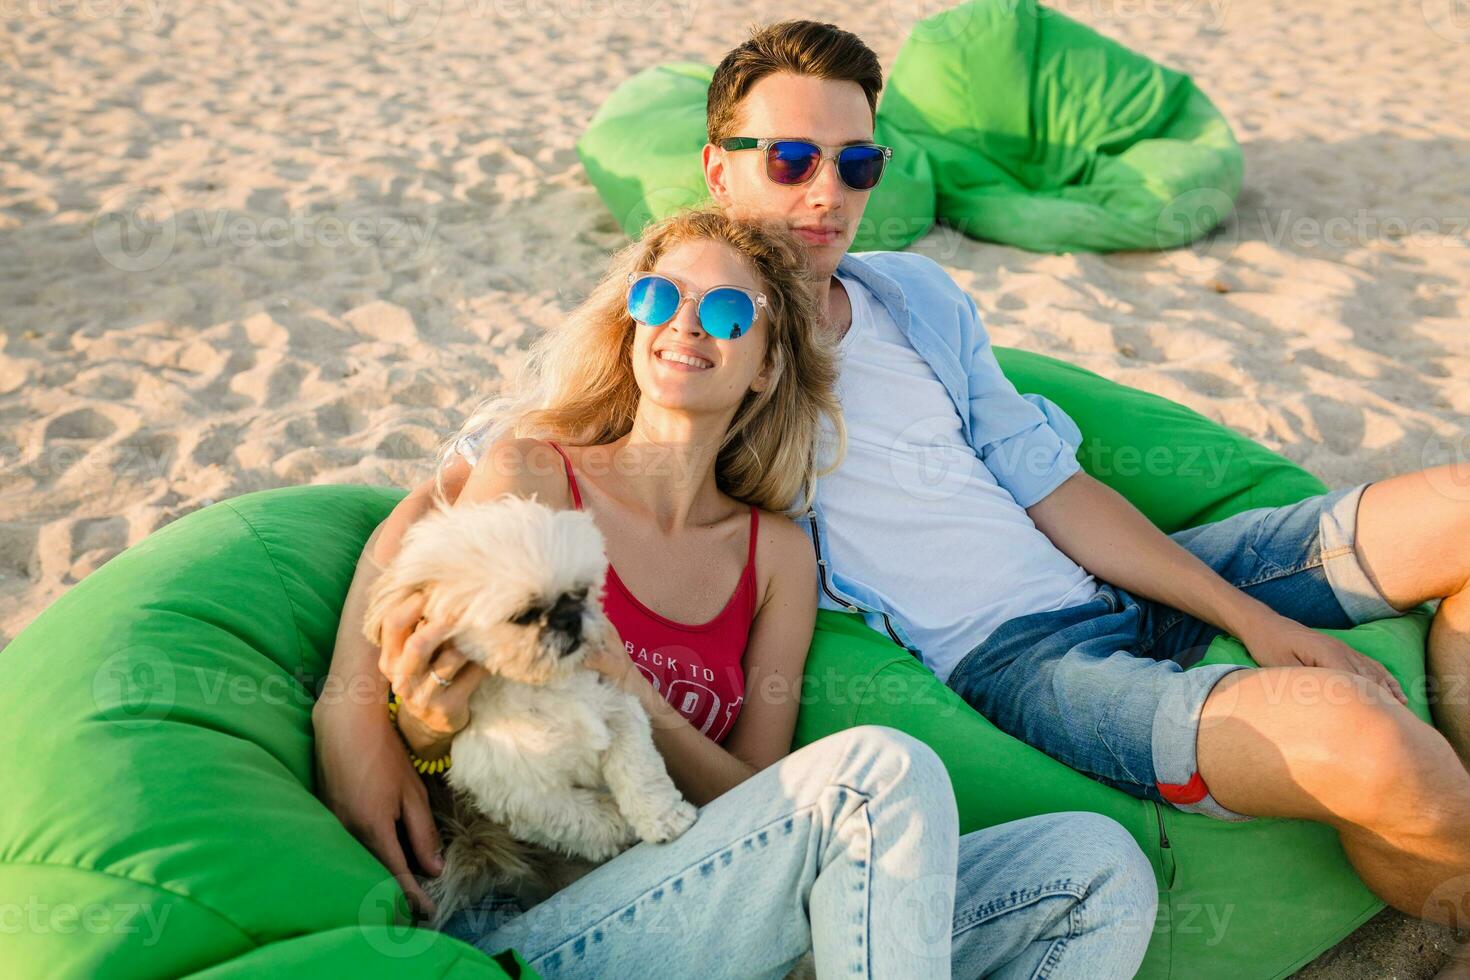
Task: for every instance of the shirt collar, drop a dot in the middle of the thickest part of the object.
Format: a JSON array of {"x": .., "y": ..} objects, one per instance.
[{"x": 886, "y": 288}]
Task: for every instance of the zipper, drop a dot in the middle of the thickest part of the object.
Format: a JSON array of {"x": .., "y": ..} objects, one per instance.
[
  {"x": 1163, "y": 834},
  {"x": 1166, "y": 853},
  {"x": 811, "y": 516}
]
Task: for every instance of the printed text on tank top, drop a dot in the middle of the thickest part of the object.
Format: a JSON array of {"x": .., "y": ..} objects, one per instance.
[{"x": 697, "y": 668}]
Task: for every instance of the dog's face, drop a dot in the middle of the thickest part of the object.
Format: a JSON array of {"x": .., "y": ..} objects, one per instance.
[{"x": 519, "y": 581}]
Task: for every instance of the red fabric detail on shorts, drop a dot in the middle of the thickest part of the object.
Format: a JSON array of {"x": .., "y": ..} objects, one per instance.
[{"x": 1183, "y": 793}]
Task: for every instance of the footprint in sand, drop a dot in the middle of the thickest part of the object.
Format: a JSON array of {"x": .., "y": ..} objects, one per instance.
[{"x": 83, "y": 423}]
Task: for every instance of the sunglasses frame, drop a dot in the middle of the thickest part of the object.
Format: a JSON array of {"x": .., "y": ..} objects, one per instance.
[
  {"x": 757, "y": 300},
  {"x": 763, "y": 143}
]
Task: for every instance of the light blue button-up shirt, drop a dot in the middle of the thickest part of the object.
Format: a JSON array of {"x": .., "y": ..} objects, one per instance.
[{"x": 1028, "y": 443}]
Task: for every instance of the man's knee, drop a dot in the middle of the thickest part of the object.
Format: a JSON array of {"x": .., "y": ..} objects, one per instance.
[{"x": 1375, "y": 763}]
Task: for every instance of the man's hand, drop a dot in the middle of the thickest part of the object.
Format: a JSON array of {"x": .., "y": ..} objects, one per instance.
[{"x": 1281, "y": 642}]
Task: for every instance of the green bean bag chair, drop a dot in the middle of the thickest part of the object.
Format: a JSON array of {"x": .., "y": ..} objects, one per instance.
[
  {"x": 1011, "y": 122},
  {"x": 159, "y": 814},
  {"x": 1044, "y": 134},
  {"x": 158, "y": 817}
]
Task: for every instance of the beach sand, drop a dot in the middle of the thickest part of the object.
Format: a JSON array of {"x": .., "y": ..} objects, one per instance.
[{"x": 365, "y": 213}]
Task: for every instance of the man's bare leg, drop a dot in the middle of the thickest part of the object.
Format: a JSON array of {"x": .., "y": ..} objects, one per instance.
[
  {"x": 1413, "y": 540},
  {"x": 1331, "y": 746}
]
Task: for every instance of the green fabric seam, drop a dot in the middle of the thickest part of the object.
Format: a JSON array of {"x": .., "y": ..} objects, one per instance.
[
  {"x": 143, "y": 882},
  {"x": 281, "y": 581}
]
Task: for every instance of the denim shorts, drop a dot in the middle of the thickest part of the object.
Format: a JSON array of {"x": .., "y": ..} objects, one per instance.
[{"x": 1104, "y": 686}]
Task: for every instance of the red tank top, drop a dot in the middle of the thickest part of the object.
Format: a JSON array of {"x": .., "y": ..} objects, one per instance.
[{"x": 697, "y": 669}]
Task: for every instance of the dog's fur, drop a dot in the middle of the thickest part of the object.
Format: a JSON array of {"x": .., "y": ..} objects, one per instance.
[{"x": 556, "y": 770}]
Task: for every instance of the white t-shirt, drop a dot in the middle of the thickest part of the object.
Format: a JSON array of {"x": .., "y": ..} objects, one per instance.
[{"x": 912, "y": 504}]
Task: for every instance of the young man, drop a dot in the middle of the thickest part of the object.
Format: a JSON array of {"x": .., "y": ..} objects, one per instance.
[{"x": 1070, "y": 627}]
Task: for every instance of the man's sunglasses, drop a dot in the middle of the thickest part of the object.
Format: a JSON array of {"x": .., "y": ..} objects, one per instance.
[
  {"x": 726, "y": 312},
  {"x": 793, "y": 162}
]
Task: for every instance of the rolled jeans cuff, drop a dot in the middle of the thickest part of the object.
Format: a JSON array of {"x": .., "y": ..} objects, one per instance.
[
  {"x": 1354, "y": 590},
  {"x": 1175, "y": 735}
]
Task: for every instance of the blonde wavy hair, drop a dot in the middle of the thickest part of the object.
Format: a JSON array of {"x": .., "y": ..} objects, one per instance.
[{"x": 577, "y": 384}]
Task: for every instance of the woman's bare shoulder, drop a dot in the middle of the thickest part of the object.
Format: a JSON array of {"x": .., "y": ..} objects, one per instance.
[
  {"x": 783, "y": 550},
  {"x": 523, "y": 466}
]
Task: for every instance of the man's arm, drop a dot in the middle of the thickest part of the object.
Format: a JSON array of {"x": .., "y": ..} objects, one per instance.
[{"x": 1101, "y": 531}]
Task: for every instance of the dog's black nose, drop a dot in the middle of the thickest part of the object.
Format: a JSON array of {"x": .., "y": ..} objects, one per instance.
[{"x": 566, "y": 617}]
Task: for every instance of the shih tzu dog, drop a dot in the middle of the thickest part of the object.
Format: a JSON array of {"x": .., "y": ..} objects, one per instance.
[{"x": 556, "y": 771}]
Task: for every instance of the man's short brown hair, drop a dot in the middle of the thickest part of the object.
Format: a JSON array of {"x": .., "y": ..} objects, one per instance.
[{"x": 801, "y": 47}]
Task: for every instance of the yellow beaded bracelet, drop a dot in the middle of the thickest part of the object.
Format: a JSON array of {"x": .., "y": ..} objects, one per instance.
[{"x": 425, "y": 766}]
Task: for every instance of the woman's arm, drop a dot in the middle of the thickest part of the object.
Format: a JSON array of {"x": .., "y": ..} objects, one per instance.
[
  {"x": 362, "y": 770},
  {"x": 774, "y": 658}
]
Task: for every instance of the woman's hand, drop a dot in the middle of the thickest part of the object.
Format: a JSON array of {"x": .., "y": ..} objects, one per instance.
[
  {"x": 365, "y": 778},
  {"x": 608, "y": 657},
  {"x": 432, "y": 679}
]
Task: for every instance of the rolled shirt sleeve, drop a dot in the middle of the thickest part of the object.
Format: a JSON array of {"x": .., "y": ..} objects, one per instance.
[{"x": 1027, "y": 442}]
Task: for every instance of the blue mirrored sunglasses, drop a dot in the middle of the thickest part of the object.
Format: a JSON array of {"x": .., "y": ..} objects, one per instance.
[
  {"x": 726, "y": 312},
  {"x": 796, "y": 161}
]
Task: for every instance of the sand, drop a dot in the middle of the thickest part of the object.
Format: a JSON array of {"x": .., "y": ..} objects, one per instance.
[{"x": 363, "y": 213}]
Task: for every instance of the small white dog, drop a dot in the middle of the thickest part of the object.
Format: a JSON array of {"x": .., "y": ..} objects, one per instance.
[{"x": 556, "y": 762}]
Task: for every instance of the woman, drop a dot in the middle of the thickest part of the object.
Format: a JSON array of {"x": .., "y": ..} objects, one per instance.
[{"x": 687, "y": 404}]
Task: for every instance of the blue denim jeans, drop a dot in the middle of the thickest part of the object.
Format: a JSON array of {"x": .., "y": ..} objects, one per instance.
[
  {"x": 1102, "y": 686},
  {"x": 849, "y": 848}
]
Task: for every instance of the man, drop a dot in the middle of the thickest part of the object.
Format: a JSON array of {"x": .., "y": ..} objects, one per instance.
[{"x": 1066, "y": 628}]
